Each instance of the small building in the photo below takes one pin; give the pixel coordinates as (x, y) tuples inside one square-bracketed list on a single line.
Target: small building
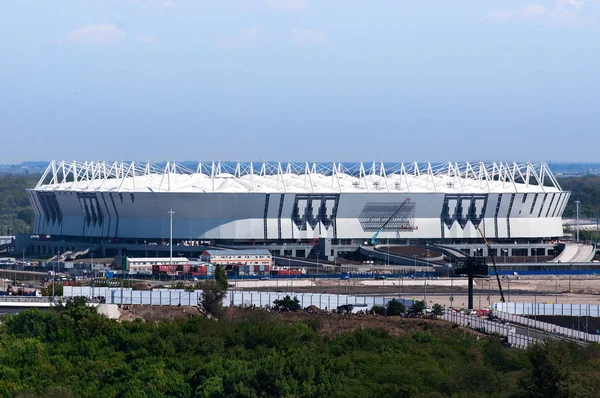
[(256, 258), (143, 265)]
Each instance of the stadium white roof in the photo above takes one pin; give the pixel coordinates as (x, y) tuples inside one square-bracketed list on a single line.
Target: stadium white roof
[(269, 177)]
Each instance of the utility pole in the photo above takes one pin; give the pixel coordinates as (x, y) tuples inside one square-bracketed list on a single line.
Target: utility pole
[(171, 212), (577, 202)]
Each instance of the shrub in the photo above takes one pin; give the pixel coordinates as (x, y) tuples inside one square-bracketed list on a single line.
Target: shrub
[(395, 308)]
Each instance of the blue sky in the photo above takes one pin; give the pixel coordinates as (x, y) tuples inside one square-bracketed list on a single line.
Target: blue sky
[(300, 80)]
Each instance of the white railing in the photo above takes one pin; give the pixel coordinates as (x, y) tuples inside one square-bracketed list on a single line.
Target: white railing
[(520, 340), (490, 327), (548, 327), (475, 322)]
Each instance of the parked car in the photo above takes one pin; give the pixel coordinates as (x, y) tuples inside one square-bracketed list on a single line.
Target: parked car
[(380, 277)]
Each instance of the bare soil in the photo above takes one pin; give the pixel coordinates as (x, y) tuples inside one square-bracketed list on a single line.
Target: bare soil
[(158, 313)]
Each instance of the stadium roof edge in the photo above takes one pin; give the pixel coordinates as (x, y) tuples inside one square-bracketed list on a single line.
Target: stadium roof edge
[(294, 177)]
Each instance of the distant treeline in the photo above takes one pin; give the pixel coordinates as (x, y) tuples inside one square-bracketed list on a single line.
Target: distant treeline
[(585, 189), (74, 352), (16, 214)]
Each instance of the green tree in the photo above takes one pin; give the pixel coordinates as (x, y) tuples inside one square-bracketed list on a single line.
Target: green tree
[(378, 309), (437, 310), (551, 372), (418, 308), (221, 277), (212, 298), (26, 215), (287, 304), (395, 308)]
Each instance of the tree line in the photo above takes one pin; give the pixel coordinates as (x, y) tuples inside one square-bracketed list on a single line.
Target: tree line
[(74, 352)]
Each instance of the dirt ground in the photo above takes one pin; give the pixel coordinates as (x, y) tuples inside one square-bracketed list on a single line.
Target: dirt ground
[(157, 313), (326, 324), (334, 324)]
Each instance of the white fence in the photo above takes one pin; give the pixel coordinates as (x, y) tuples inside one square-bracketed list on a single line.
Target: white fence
[(548, 327), (520, 340), (174, 297), (548, 309), (475, 322), (491, 327)]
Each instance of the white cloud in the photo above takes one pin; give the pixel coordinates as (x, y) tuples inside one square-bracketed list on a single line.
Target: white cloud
[(100, 33), (245, 36), (288, 5), (309, 36)]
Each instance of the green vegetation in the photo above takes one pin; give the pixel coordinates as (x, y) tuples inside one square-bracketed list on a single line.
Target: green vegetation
[(74, 352), (587, 190), (395, 308), (437, 310), (16, 214), (287, 304), (418, 308), (378, 309)]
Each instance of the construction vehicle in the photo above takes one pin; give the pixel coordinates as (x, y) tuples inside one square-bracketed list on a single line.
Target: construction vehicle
[(491, 252), (373, 240)]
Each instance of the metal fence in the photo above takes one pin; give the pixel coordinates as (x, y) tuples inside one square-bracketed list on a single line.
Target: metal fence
[(475, 322), (548, 309), (174, 297), (548, 327), (490, 327), (520, 340)]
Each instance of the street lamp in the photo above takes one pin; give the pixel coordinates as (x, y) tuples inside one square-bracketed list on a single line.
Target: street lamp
[(171, 212), (577, 203), (415, 256)]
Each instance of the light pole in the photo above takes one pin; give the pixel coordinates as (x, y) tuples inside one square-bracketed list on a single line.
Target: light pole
[(577, 202), (425, 292), (292, 277), (415, 256), (171, 212)]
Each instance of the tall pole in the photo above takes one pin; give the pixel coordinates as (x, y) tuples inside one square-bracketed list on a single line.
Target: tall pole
[(577, 202), (425, 293), (415, 256), (171, 212)]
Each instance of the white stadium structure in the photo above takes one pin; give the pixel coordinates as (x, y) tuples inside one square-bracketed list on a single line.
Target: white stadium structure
[(293, 203)]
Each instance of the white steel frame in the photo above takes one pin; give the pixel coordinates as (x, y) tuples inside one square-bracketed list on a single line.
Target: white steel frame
[(382, 177)]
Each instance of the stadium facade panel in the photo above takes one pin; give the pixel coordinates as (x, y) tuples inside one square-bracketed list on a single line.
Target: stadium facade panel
[(299, 201)]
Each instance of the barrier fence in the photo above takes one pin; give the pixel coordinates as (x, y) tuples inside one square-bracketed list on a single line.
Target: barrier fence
[(475, 322), (174, 297), (548, 327), (490, 327), (520, 340), (548, 309)]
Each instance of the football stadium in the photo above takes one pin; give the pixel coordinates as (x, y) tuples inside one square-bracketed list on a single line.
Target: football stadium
[(289, 206)]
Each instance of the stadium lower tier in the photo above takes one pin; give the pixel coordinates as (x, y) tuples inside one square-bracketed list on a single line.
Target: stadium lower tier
[(278, 217)]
